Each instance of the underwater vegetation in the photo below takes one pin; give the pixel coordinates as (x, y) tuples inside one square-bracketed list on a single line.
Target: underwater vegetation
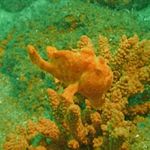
[(76, 123)]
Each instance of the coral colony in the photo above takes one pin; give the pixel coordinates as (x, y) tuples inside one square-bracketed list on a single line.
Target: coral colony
[(92, 112)]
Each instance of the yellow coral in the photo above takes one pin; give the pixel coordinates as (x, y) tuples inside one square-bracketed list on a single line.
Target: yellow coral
[(49, 129), (75, 123), (86, 127), (14, 142), (97, 142), (73, 144)]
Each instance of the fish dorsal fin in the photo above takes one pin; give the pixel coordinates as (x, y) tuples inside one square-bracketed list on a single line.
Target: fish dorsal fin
[(50, 50)]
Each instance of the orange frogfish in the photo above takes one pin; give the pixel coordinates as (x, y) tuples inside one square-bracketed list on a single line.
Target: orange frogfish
[(80, 70)]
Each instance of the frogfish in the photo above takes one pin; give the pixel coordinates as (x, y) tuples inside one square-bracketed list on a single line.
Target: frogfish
[(80, 70)]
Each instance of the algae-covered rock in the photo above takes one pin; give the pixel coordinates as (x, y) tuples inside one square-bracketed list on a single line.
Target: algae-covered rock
[(123, 4), (14, 5)]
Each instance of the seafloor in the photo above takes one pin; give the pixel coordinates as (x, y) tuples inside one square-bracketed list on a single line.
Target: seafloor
[(58, 23)]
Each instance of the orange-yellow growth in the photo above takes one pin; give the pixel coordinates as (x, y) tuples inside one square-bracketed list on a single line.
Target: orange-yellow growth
[(81, 71)]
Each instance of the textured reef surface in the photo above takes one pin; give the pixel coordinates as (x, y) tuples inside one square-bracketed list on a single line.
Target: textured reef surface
[(91, 91)]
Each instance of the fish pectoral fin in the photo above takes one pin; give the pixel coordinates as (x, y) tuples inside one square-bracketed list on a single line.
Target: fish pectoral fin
[(70, 91)]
